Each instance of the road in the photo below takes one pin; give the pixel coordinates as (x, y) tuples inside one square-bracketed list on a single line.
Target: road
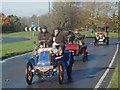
[(85, 75), (4, 40)]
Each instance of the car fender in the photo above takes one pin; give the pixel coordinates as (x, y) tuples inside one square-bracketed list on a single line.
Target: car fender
[(28, 59)]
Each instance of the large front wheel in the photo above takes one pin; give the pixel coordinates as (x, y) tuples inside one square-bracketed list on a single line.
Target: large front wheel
[(29, 73), (61, 73)]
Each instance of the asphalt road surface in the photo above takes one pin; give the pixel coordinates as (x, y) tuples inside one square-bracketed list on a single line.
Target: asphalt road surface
[(84, 75), (11, 39)]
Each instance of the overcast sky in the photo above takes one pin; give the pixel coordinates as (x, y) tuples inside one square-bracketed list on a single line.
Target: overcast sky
[(25, 8)]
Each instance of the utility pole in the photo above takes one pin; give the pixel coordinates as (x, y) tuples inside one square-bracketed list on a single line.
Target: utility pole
[(94, 9), (49, 8), (38, 21)]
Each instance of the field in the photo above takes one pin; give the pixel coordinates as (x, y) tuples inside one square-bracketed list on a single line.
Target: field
[(11, 49), (115, 81)]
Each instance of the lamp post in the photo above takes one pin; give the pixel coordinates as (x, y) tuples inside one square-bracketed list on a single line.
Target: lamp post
[(38, 21), (49, 8)]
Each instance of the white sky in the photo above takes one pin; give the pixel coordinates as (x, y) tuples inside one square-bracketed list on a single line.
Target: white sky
[(29, 7), (25, 8), (59, 0)]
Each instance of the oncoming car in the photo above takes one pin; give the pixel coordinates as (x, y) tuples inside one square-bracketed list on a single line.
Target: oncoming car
[(101, 36), (42, 64)]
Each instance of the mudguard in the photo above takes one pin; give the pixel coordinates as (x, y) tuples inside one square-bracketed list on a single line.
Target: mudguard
[(35, 59), (28, 59)]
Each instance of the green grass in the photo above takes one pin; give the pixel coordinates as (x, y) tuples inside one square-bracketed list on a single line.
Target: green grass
[(115, 83), (11, 49), (19, 34), (30, 34), (111, 34)]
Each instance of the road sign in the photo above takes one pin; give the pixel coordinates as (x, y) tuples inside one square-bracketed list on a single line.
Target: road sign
[(32, 29)]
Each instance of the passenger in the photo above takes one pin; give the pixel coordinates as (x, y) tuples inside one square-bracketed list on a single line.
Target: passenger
[(70, 36), (58, 40), (58, 37), (79, 38)]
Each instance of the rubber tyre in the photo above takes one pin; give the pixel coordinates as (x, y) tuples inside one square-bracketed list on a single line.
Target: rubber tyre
[(61, 73), (29, 73)]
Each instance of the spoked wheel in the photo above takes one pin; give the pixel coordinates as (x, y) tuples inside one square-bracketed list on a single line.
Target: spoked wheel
[(85, 55), (61, 73), (29, 73)]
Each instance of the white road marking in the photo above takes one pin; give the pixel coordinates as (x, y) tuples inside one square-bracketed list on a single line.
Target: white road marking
[(4, 60), (106, 72)]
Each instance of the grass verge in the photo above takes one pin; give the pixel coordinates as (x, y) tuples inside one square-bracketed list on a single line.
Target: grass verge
[(20, 34), (11, 49), (115, 80), (115, 83), (111, 34)]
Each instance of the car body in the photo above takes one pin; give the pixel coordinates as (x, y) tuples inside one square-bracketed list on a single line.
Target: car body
[(41, 66), (78, 47), (101, 36)]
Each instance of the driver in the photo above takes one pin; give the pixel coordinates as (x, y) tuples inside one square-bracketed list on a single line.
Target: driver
[(70, 36), (79, 38), (44, 35)]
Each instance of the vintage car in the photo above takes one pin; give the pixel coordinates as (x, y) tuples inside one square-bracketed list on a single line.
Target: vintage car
[(101, 36), (42, 64), (78, 47)]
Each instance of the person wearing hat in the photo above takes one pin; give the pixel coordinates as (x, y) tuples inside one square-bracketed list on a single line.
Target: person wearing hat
[(70, 36), (43, 40), (79, 38), (44, 35), (58, 36), (58, 44)]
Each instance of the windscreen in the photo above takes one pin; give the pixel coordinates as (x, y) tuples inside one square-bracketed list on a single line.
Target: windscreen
[(100, 29)]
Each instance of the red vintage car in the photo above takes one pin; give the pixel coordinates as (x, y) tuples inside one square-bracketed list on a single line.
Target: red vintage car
[(77, 50)]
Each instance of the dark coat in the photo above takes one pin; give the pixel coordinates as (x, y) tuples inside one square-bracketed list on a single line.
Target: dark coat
[(45, 36), (71, 36), (60, 38)]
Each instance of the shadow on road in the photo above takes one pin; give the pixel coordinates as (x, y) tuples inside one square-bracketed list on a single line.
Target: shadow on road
[(86, 73)]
